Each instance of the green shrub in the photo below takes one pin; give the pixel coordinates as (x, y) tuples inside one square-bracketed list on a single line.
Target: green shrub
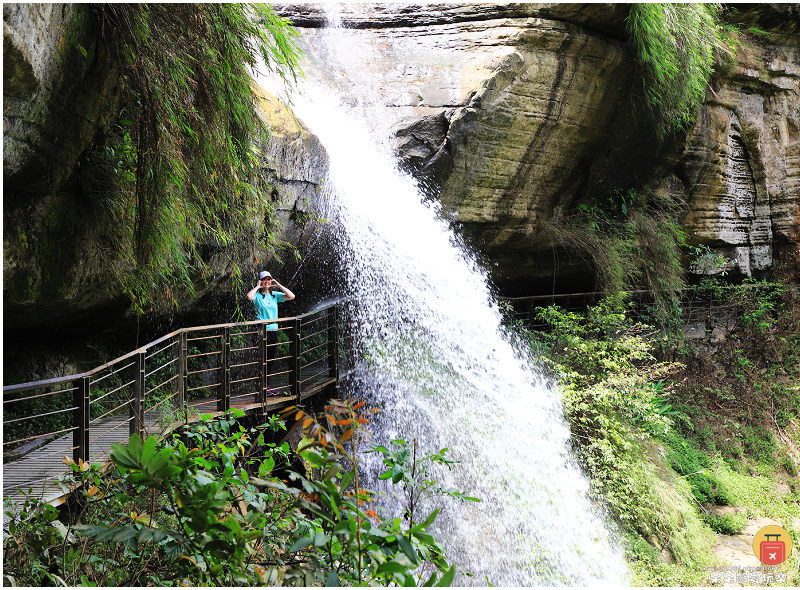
[(759, 444), (728, 524), (616, 400), (165, 514), (788, 465)]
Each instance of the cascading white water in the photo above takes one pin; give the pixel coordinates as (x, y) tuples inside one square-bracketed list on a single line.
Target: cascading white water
[(436, 361)]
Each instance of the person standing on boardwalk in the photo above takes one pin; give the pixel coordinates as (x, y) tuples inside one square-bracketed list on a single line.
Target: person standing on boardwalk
[(266, 303)]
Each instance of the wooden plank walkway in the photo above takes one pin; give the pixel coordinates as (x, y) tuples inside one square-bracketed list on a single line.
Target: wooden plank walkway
[(37, 470)]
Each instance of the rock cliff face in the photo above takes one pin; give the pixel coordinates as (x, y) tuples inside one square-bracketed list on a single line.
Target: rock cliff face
[(510, 113), (60, 92), (739, 169)]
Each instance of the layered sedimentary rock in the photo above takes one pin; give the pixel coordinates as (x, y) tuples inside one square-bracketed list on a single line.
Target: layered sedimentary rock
[(740, 165), (60, 93), (511, 113)]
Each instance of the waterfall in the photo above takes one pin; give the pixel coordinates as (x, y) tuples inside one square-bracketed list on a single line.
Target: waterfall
[(434, 358)]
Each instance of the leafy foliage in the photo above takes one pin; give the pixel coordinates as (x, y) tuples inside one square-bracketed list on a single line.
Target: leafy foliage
[(181, 160), (664, 445), (687, 460), (676, 48), (415, 474), (167, 514), (618, 403)]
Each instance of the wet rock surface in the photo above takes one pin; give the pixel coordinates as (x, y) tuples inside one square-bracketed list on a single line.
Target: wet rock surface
[(61, 96)]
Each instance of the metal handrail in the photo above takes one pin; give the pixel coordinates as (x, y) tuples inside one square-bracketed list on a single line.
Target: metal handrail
[(698, 301), (177, 380), (689, 289)]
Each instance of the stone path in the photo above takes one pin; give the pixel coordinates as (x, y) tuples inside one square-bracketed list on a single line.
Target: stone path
[(737, 550)]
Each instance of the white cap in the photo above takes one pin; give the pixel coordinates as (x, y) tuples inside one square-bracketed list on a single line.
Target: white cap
[(264, 274)]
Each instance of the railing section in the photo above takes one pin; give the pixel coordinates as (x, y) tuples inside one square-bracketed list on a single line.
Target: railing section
[(193, 370), (699, 305)]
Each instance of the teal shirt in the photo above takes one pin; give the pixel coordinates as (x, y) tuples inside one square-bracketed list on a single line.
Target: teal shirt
[(266, 305)]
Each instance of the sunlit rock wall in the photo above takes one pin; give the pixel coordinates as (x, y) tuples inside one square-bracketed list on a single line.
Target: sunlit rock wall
[(740, 167), (510, 113)]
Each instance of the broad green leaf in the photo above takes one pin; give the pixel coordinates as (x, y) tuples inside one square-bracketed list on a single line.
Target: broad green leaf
[(159, 535), (430, 581), (426, 538), (397, 473), (320, 540), (135, 448), (167, 472), (332, 579), (332, 471), (408, 549), (346, 526), (124, 533), (145, 535), (391, 567), (148, 450), (425, 523), (447, 578), (266, 467), (347, 479), (122, 457), (159, 460), (218, 547), (300, 544)]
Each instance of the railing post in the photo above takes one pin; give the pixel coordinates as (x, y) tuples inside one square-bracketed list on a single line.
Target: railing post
[(136, 407), (333, 343), (80, 437), (261, 398), (294, 360), (179, 354), (224, 396)]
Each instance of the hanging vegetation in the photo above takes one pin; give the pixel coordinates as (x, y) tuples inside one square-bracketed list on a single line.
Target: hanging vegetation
[(676, 48), (179, 169), (633, 241)]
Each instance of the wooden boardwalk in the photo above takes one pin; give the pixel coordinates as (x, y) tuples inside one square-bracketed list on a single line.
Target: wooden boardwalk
[(37, 470), (232, 361)]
